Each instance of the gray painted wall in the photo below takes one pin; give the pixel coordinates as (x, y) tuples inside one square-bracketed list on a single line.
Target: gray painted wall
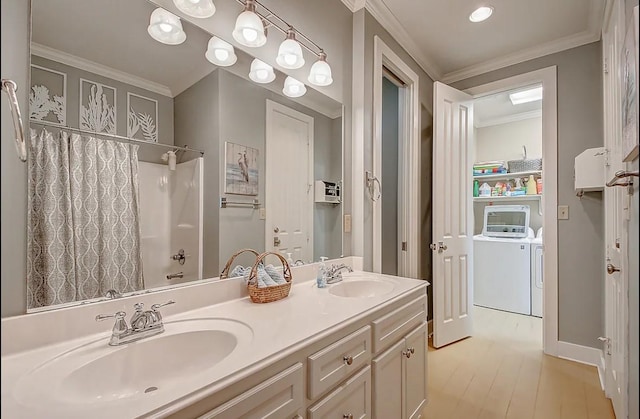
[(245, 101), (14, 65), (165, 103), (581, 238), (196, 125), (390, 127)]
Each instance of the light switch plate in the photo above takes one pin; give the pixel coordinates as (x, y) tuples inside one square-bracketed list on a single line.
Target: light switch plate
[(263, 213), (347, 223), (563, 212)]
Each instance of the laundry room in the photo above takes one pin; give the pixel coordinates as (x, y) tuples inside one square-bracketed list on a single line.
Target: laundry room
[(508, 186)]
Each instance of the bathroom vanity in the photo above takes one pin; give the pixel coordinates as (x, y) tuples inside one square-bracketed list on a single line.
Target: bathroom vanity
[(354, 349)]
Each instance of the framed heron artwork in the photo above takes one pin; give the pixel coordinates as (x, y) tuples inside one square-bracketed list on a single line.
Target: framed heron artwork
[(241, 169)]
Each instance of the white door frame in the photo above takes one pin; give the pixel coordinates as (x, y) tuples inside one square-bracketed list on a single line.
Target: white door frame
[(271, 159), (409, 161), (548, 77)]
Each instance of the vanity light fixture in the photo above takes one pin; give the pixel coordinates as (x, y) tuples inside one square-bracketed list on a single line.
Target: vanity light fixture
[(261, 72), (196, 8), (165, 27), (249, 30), (290, 52), (320, 74), (293, 87), (524, 96), (220, 52), (480, 14)]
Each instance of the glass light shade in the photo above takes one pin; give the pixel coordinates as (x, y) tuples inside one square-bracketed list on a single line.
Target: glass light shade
[(293, 87), (480, 14), (196, 8), (220, 53), (166, 27), (261, 72), (290, 54), (320, 74), (249, 30)]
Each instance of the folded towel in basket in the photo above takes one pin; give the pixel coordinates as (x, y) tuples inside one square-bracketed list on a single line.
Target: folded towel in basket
[(239, 270), (264, 280), (275, 274)]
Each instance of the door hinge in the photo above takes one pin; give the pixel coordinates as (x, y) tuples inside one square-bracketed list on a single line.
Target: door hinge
[(607, 344), (605, 67), (404, 246)]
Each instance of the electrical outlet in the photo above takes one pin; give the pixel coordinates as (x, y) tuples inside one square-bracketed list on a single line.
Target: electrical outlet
[(347, 223), (563, 212), (263, 213)]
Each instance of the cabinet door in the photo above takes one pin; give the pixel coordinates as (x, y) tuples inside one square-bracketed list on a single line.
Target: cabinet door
[(414, 370), (279, 397), (387, 383), (350, 400)]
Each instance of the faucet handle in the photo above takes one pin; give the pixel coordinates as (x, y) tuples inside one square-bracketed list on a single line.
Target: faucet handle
[(155, 307), (120, 315)]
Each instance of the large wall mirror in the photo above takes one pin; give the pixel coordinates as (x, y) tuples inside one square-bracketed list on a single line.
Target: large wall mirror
[(149, 166)]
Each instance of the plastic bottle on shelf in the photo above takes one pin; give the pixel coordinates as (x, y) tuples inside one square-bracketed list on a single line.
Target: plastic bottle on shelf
[(531, 186), (476, 188), (485, 190), (539, 186)]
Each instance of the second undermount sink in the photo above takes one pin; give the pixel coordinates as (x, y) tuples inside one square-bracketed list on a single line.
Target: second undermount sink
[(96, 372), (359, 287)]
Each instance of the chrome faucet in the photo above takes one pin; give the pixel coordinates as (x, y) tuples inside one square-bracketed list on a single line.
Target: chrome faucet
[(143, 323), (334, 274)]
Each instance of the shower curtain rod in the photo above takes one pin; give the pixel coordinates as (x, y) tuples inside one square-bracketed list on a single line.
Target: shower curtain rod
[(116, 137)]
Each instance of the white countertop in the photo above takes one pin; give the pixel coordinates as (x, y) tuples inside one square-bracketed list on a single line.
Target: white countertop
[(278, 329)]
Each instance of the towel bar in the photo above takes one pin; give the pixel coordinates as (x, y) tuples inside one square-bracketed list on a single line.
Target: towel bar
[(255, 204), (10, 87)]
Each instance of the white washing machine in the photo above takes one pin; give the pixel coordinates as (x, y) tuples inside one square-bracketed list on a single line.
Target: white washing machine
[(536, 275), (502, 260)]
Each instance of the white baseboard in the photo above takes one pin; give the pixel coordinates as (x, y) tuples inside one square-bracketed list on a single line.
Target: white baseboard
[(584, 355)]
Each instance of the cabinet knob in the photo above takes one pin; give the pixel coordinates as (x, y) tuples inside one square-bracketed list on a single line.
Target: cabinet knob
[(412, 350), (407, 353), (347, 416), (347, 360)]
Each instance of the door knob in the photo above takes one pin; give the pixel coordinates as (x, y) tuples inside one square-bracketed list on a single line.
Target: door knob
[(440, 247), (611, 269), (276, 229)]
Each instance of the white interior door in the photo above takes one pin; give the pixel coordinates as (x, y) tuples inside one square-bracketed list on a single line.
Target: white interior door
[(452, 215), (616, 200), (289, 182)]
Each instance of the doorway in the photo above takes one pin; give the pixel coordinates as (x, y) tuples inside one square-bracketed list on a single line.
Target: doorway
[(394, 183), (452, 177), (289, 153)]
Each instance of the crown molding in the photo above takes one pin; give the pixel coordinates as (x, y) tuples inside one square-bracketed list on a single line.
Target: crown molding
[(387, 19), (507, 119), (354, 5), (100, 69), (597, 16), (568, 42)]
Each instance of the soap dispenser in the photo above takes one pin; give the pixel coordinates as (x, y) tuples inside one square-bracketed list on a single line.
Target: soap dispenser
[(321, 279), (289, 259)]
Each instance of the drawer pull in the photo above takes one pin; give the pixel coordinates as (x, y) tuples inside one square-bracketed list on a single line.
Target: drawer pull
[(347, 416), (407, 353), (347, 360)]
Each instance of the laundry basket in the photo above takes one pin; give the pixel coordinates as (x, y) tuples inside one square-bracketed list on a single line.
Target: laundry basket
[(517, 166)]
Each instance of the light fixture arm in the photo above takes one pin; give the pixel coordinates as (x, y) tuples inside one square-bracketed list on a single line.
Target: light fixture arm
[(283, 26)]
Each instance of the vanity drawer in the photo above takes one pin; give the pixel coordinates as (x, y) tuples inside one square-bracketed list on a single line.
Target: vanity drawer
[(350, 400), (338, 361), (279, 397), (391, 327)]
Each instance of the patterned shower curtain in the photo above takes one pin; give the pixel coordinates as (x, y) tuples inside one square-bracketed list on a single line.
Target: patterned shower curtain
[(83, 219)]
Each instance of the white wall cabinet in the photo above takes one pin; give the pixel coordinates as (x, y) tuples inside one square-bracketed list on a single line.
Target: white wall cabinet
[(399, 377)]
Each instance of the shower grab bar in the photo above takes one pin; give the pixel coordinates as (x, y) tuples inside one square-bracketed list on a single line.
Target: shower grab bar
[(255, 204), (115, 137), (622, 174), (10, 87)]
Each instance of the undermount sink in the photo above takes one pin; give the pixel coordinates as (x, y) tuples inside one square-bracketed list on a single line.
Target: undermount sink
[(361, 288), (96, 372)]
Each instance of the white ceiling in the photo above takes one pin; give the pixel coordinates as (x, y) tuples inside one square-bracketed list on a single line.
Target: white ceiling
[(440, 37), (498, 109)]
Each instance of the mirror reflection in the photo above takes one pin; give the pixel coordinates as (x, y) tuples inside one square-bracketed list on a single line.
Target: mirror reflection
[(149, 166)]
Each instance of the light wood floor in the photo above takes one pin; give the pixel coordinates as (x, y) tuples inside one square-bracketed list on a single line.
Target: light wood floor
[(501, 372)]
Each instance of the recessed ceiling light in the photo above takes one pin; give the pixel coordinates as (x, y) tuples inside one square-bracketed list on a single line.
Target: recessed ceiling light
[(480, 14), (524, 96)]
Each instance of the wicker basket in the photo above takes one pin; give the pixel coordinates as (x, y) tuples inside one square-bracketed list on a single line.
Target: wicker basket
[(225, 272), (516, 166), (274, 292)]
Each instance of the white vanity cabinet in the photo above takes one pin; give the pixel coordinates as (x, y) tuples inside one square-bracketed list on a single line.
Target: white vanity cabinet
[(279, 397), (351, 400), (399, 376)]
